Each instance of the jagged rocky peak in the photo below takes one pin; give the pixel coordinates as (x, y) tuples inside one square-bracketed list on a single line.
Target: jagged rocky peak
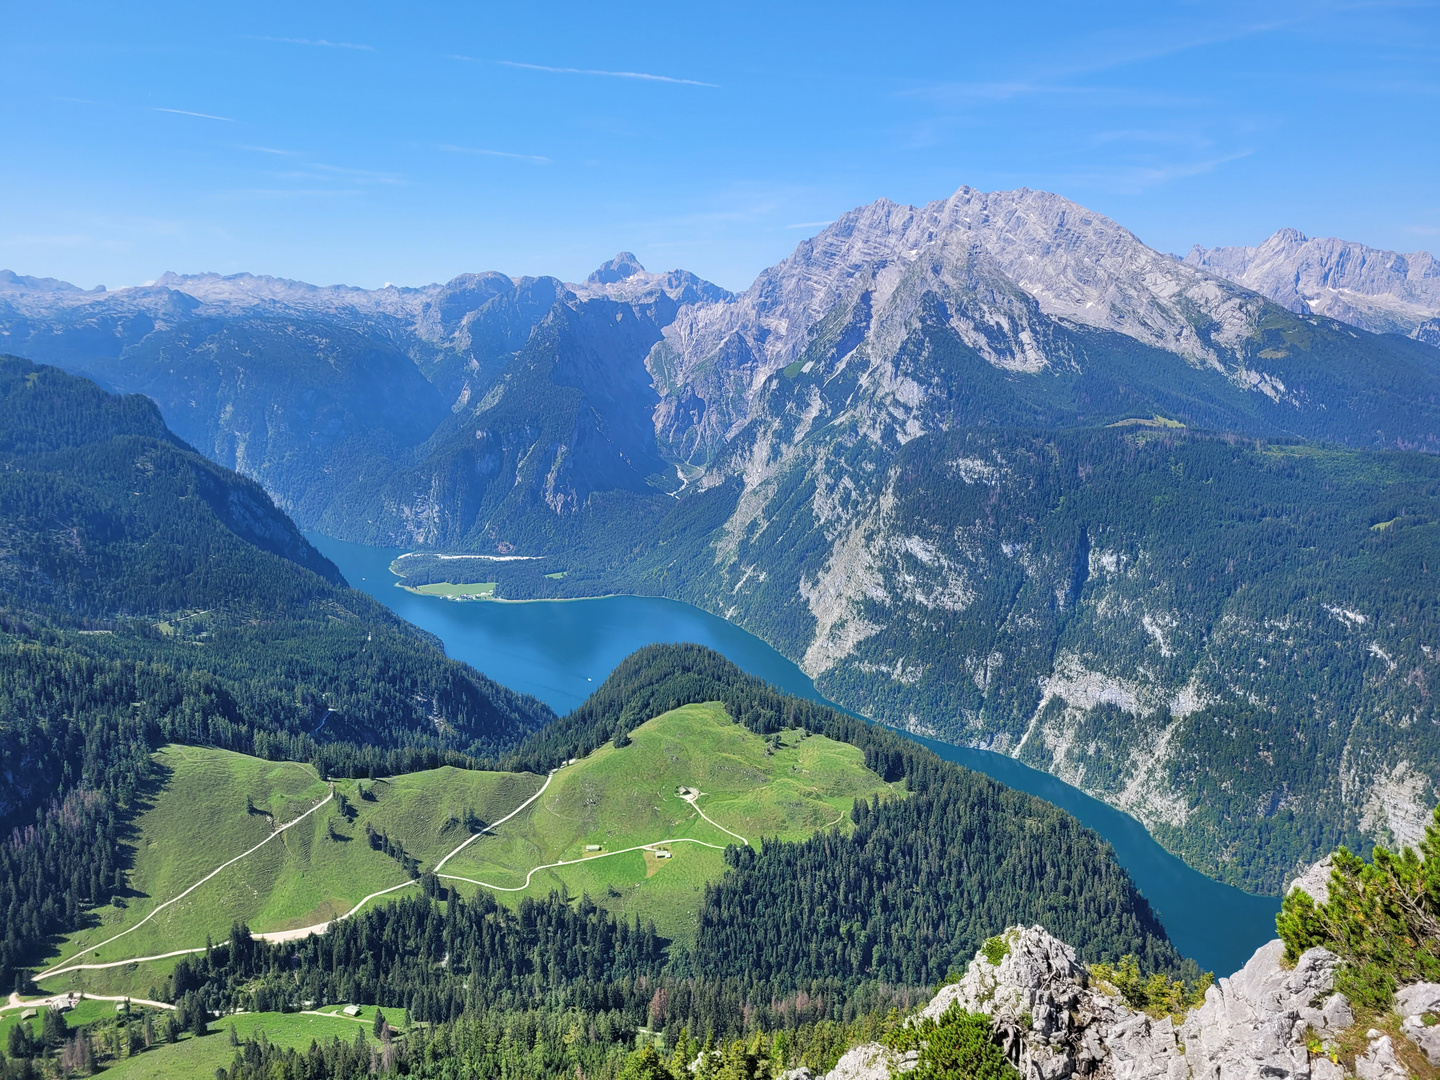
[(241, 293), (1376, 290), (41, 297), (1074, 263), (624, 278), (226, 295), (1013, 274), (622, 266), (1056, 1022), (516, 303)]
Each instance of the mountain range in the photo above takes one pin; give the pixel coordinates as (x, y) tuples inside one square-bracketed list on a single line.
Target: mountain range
[(990, 469), (1384, 292)]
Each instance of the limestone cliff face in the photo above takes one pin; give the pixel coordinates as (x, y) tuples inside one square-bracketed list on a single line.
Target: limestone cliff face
[(1012, 276), (927, 574), (1385, 292), (1096, 606), (1056, 1023)]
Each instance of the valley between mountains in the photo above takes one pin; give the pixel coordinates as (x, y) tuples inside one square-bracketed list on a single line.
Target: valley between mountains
[(990, 470)]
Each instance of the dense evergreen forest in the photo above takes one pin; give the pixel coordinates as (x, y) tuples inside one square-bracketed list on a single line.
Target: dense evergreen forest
[(1382, 918), (540, 1042)]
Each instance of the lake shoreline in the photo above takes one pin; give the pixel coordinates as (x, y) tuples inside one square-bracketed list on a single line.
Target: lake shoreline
[(561, 649)]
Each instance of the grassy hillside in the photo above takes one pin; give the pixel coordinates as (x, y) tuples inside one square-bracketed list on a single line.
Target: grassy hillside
[(215, 805), (851, 920), (192, 1057), (788, 785)]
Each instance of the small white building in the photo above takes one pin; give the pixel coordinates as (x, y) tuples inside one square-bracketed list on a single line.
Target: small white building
[(351, 1010)]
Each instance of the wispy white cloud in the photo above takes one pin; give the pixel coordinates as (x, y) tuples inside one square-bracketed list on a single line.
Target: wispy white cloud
[(269, 150), (201, 115), (289, 193), (481, 152), (607, 74), (642, 75), (810, 224), (1103, 53), (357, 175), (318, 42), (1130, 179)]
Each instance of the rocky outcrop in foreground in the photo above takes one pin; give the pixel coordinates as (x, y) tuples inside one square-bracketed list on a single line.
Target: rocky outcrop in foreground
[(1056, 1023)]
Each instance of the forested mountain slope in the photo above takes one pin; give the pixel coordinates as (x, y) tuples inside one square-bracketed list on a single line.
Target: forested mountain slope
[(1085, 599), (147, 595), (303, 407), (148, 613), (808, 937), (1230, 640), (318, 393), (564, 430)]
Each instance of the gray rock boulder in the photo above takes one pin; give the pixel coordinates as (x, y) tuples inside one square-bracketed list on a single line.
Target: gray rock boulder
[(1055, 1024), (871, 1061), (1314, 880), (1379, 1061), (1413, 1003), (1254, 1023)]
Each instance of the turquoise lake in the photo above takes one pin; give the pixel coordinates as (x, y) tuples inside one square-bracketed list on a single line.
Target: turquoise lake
[(561, 650)]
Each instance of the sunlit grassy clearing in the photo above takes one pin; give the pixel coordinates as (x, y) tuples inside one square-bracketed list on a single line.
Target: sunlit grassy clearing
[(314, 871), (475, 590), (788, 787)]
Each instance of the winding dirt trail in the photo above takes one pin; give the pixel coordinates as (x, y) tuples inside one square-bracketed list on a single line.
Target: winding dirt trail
[(69, 998), (471, 839), (59, 970), (582, 859), (65, 967), (689, 795)]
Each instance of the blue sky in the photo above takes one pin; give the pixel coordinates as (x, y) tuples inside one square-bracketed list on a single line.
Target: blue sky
[(366, 143)]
